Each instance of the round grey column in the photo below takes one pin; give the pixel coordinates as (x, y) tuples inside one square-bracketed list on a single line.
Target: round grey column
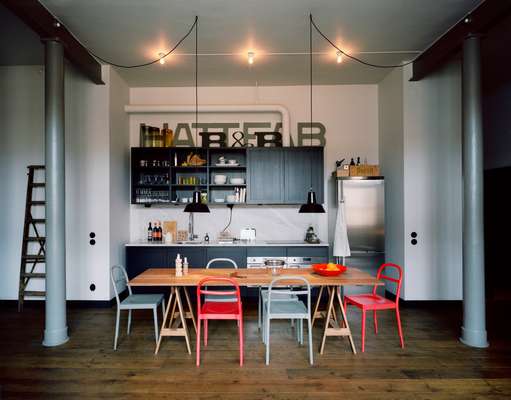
[(55, 332), (473, 331)]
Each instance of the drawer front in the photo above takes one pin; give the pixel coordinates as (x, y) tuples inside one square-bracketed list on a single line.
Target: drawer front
[(308, 252), (271, 251), (238, 255)]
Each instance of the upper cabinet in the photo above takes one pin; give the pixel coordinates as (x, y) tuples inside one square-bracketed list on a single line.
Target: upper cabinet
[(255, 175), (265, 175), (303, 169)]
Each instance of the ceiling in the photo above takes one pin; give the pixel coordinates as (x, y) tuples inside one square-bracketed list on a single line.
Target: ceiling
[(134, 31)]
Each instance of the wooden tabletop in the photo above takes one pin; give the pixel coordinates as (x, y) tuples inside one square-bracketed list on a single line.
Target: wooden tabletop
[(249, 277)]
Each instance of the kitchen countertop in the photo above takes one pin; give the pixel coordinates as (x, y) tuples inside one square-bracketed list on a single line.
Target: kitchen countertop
[(258, 243)]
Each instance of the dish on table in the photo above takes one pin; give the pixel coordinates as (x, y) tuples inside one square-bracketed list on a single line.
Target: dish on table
[(329, 269)]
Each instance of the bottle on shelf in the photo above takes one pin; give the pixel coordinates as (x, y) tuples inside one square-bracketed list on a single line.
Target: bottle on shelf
[(358, 160), (352, 162), (206, 238), (150, 233), (160, 233)]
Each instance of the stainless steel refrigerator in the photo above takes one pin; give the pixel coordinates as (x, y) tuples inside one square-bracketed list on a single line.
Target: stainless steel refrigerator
[(364, 201)]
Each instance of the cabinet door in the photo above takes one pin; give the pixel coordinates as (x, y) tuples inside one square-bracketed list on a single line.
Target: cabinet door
[(238, 255), (265, 176), (138, 259), (299, 164)]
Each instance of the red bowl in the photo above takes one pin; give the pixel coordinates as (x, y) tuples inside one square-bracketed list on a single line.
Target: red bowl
[(321, 270)]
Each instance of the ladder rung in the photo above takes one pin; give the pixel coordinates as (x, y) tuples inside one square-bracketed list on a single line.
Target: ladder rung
[(37, 202), (33, 257), (34, 274), (34, 293), (38, 220), (38, 184), (35, 167), (36, 239)]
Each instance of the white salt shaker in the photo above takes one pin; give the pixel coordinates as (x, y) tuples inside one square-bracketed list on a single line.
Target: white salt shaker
[(185, 266), (179, 266)]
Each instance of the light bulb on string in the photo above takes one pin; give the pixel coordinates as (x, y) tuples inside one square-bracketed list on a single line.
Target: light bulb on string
[(251, 56), (162, 58), (339, 57)]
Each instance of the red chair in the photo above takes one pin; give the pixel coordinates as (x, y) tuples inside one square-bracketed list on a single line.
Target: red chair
[(376, 302), (218, 310)]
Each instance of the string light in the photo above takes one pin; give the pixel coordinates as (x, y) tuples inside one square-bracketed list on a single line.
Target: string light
[(251, 56), (162, 58), (339, 57)]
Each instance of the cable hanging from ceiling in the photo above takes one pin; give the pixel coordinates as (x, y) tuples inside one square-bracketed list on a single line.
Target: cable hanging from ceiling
[(162, 55), (353, 57)]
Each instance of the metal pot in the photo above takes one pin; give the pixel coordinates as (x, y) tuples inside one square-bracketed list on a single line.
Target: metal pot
[(273, 262)]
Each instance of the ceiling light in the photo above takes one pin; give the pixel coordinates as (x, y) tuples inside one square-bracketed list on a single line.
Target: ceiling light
[(162, 58), (251, 56), (339, 56)]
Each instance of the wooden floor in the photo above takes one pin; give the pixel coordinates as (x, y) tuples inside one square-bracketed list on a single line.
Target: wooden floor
[(434, 364)]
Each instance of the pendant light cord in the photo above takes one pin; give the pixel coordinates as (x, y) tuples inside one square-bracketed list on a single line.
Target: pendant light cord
[(194, 25), (310, 76), (196, 80)]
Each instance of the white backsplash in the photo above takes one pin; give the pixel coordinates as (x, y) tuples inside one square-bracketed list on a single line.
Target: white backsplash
[(271, 223)]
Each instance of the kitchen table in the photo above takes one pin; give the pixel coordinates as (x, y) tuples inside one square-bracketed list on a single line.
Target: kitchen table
[(174, 322)]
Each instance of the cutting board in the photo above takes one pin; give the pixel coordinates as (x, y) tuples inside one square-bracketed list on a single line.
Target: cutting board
[(170, 226)]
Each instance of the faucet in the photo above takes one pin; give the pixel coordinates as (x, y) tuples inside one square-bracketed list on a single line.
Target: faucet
[(191, 235)]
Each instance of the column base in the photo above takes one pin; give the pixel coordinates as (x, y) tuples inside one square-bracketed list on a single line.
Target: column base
[(474, 338), (55, 337)]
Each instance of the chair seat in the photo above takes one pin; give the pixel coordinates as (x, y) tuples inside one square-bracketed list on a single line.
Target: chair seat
[(142, 301), (287, 309), (219, 310), (220, 299), (370, 301)]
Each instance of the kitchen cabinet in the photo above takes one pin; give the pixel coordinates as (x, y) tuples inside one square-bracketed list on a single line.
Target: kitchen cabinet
[(237, 254), (265, 175), (303, 169)]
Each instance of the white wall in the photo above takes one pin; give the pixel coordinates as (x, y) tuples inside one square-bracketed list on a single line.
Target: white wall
[(349, 113), (88, 174), (420, 148), (22, 119)]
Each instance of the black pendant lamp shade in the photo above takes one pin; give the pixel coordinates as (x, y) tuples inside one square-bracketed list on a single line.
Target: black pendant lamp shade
[(311, 206), (196, 205)]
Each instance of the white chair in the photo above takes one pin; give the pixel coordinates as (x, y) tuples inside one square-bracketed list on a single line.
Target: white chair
[(221, 298), (119, 279), (290, 309)]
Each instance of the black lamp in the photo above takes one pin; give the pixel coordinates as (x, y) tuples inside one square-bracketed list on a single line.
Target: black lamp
[(196, 206), (311, 206)]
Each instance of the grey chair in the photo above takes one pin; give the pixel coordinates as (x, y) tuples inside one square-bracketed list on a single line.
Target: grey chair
[(221, 298), (119, 279), (278, 295), (290, 309)]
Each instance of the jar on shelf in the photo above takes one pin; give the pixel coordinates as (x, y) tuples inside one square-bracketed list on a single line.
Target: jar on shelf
[(168, 135)]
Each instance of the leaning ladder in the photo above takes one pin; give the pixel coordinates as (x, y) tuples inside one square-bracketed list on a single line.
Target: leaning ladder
[(29, 262)]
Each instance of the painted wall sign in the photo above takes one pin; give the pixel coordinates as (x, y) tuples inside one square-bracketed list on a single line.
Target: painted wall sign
[(247, 134)]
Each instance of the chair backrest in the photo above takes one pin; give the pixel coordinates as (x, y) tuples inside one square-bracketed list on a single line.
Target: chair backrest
[(202, 290), (227, 260), (290, 291), (119, 278), (382, 274)]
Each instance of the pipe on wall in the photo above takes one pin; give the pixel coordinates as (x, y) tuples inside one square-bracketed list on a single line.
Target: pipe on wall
[(214, 108)]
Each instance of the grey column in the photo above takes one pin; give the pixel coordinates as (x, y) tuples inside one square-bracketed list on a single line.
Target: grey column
[(473, 331), (55, 332)]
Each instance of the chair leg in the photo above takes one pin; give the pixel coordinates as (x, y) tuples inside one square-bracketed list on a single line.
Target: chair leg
[(310, 341), (399, 329), (163, 309), (240, 328), (259, 310), (129, 321), (363, 329), (117, 318), (197, 342), (375, 322), (267, 336), (205, 333), (155, 317), (300, 328)]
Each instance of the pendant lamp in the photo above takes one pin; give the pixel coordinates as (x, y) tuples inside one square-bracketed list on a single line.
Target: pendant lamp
[(196, 206), (311, 206)]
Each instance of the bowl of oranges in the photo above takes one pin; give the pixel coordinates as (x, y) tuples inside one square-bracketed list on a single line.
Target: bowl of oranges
[(329, 269)]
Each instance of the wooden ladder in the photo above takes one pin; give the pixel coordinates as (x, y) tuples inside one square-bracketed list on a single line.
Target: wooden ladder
[(30, 261)]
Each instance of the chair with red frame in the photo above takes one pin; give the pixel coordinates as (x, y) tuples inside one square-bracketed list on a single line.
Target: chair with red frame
[(375, 302), (219, 310)]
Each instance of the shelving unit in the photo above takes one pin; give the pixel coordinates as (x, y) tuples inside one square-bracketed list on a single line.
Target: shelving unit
[(158, 176)]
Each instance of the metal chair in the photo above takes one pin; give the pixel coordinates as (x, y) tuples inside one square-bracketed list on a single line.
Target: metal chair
[(221, 298), (291, 309), (375, 302), (119, 279)]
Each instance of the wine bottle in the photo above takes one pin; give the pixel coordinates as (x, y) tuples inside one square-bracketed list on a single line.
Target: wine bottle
[(150, 233), (358, 160), (352, 162)]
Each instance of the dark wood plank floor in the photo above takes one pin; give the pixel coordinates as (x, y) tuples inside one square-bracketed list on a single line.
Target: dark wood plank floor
[(434, 364)]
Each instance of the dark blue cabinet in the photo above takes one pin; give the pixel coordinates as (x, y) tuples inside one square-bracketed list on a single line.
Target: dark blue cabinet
[(265, 175), (303, 169)]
